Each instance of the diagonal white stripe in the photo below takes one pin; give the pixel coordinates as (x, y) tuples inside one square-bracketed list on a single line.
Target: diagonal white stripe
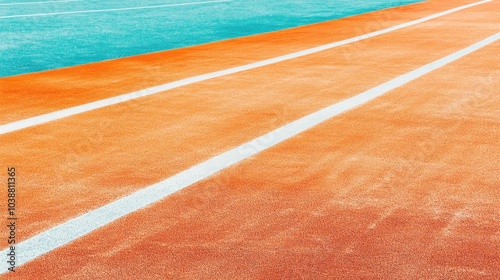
[(44, 2), (112, 10), (86, 223), (33, 121)]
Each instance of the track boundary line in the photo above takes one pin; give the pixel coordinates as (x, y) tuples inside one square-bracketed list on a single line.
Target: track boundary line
[(77, 227), (113, 10), (48, 117), (44, 2)]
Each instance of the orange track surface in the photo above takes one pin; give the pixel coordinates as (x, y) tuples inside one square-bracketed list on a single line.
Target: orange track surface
[(405, 187)]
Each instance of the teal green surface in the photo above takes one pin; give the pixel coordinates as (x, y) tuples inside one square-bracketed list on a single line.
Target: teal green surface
[(48, 41)]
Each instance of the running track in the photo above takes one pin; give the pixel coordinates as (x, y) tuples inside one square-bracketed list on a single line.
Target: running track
[(403, 187)]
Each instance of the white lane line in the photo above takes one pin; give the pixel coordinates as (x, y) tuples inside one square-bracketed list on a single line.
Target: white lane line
[(113, 10), (88, 222), (37, 120), (44, 2)]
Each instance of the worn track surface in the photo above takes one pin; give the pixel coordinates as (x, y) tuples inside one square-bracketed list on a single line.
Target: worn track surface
[(406, 186)]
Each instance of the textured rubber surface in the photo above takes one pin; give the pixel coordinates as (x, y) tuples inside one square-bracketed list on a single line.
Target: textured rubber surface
[(403, 187), (50, 35)]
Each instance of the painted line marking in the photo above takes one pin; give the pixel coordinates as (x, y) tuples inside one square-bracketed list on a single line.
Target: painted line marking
[(44, 2), (41, 119), (77, 227), (113, 10)]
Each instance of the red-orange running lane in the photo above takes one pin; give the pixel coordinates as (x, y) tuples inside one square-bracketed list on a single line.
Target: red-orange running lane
[(77, 164), (30, 95), (404, 188)]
